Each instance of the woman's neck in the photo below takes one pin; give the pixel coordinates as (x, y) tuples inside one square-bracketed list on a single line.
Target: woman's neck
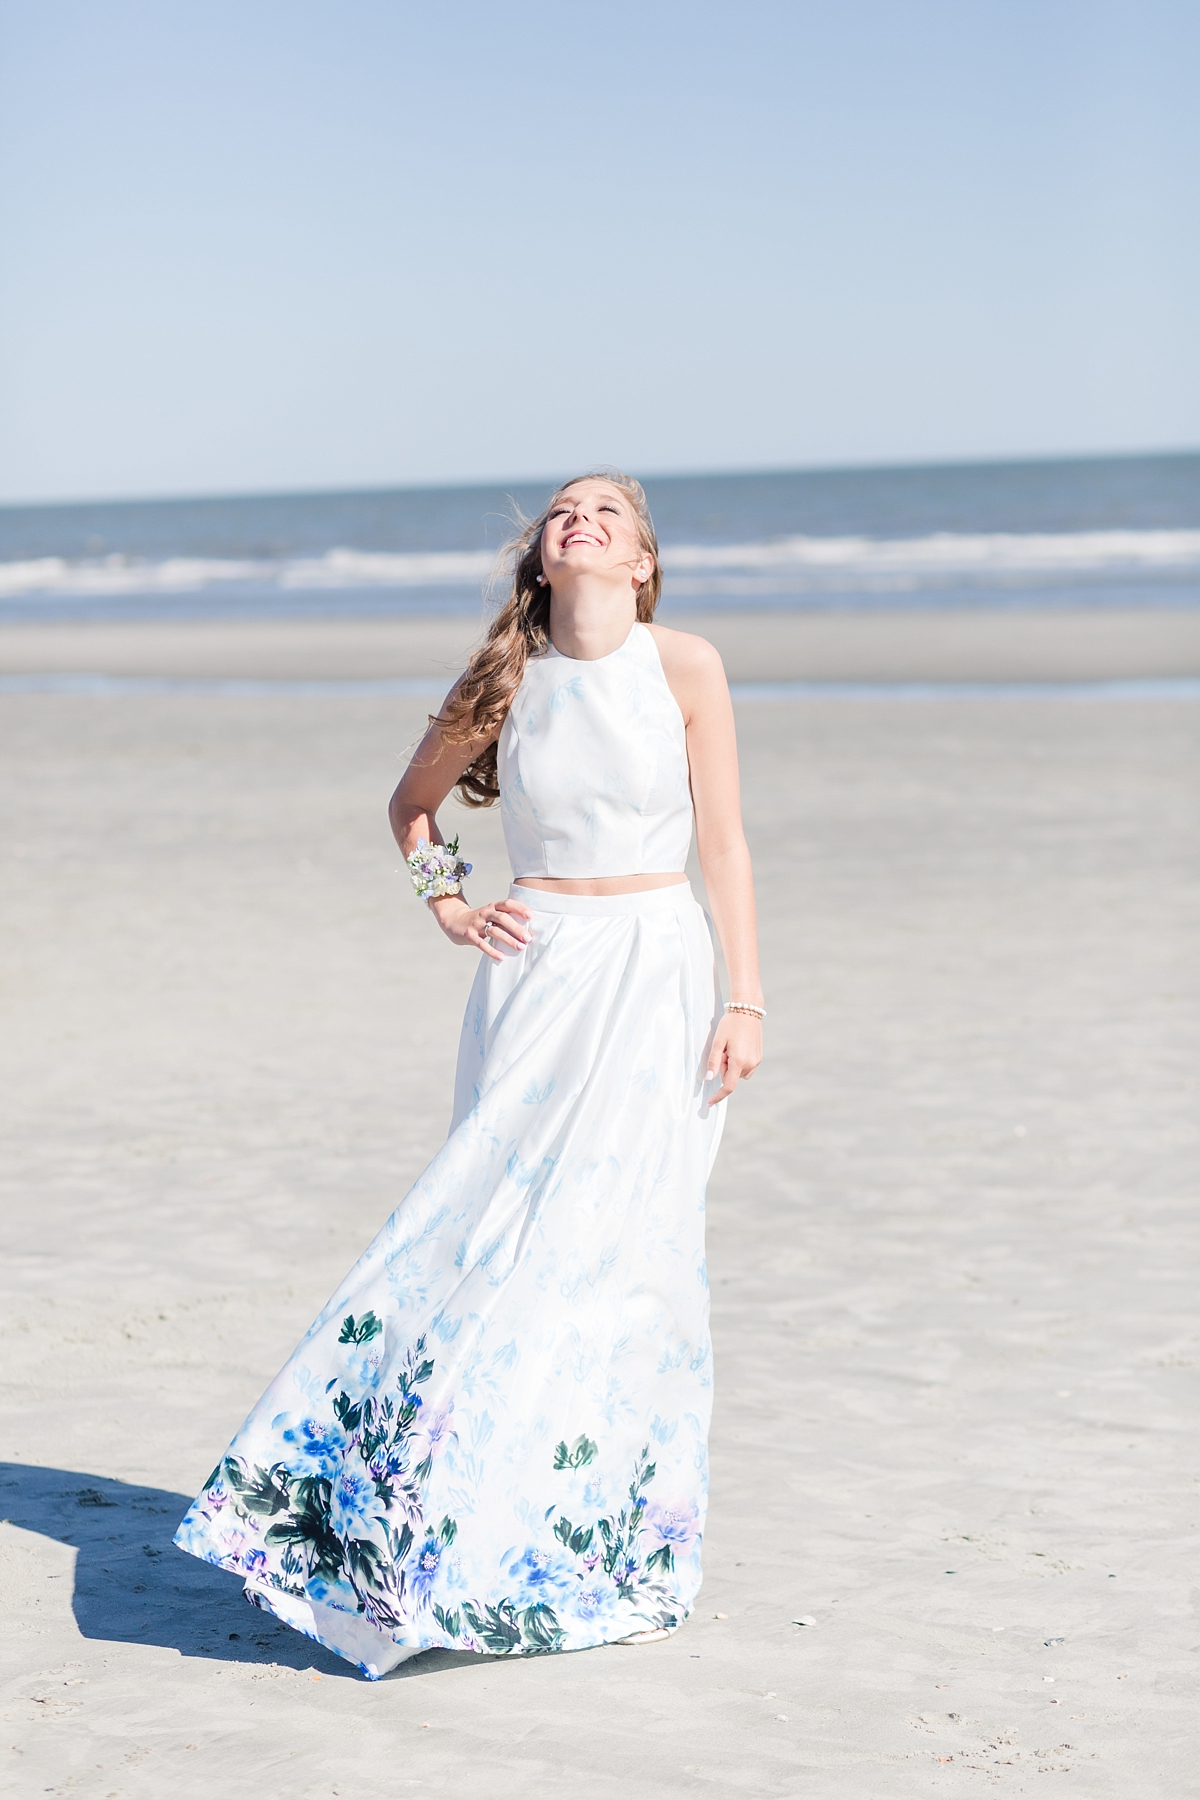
[(590, 620)]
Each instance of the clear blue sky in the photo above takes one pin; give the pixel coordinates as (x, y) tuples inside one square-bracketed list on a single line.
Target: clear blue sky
[(250, 244)]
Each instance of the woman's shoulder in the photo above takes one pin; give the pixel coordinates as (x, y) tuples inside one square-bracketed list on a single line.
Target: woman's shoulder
[(694, 673), (686, 655)]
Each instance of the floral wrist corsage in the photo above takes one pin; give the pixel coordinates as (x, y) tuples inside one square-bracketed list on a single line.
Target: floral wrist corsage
[(437, 869)]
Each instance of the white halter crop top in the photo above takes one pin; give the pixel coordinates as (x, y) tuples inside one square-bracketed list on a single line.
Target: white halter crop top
[(593, 767)]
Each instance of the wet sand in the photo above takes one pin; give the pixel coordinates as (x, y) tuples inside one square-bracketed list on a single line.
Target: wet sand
[(1017, 645), (953, 1246)]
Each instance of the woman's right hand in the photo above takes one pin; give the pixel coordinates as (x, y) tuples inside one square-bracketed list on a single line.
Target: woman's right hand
[(501, 925)]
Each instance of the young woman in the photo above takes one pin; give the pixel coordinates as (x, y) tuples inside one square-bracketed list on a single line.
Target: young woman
[(495, 1436)]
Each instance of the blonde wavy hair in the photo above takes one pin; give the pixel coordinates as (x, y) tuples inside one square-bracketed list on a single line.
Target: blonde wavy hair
[(478, 705)]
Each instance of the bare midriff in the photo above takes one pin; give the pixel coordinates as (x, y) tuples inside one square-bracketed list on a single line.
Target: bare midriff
[(601, 884)]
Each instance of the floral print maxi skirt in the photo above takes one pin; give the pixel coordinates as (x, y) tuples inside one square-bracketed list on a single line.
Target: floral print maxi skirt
[(495, 1436)]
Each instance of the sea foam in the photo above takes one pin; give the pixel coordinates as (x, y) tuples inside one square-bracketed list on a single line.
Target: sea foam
[(790, 564)]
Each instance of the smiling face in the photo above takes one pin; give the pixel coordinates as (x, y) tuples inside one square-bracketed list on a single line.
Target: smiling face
[(592, 529)]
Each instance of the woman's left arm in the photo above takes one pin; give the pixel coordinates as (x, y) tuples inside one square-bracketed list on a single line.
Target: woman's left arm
[(696, 677)]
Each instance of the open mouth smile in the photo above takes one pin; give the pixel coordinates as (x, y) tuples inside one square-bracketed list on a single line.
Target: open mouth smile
[(581, 537)]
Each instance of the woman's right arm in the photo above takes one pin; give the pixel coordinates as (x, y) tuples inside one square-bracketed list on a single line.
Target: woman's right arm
[(425, 784)]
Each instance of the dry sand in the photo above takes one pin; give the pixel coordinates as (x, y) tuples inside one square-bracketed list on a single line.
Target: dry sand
[(1019, 645), (952, 1246)]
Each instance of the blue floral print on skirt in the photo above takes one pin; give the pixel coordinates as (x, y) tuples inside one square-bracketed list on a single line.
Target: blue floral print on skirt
[(495, 1436)]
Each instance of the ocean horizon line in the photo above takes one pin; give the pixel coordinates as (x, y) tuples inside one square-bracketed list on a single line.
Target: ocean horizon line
[(801, 537), (490, 484)]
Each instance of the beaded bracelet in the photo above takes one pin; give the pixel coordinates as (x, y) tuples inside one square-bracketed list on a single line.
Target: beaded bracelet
[(744, 1006), (437, 869)]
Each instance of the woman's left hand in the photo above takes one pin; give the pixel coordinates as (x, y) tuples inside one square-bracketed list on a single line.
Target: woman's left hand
[(736, 1052)]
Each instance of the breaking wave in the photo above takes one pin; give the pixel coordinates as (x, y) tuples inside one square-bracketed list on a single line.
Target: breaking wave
[(785, 565)]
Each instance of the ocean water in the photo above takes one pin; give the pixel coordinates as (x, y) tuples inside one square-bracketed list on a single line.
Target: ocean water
[(1103, 531)]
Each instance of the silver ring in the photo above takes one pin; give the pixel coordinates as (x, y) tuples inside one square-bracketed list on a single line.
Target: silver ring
[(486, 933)]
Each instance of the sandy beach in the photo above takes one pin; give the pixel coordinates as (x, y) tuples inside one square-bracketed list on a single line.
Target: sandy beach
[(953, 1244), (1021, 645)]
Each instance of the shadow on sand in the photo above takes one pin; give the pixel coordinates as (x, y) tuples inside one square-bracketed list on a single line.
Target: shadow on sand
[(132, 1586)]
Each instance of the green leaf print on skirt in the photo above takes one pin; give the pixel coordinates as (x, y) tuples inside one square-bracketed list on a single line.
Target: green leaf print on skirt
[(494, 1436), (357, 1537)]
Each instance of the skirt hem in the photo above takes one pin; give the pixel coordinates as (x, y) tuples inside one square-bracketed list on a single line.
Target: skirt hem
[(307, 1616)]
